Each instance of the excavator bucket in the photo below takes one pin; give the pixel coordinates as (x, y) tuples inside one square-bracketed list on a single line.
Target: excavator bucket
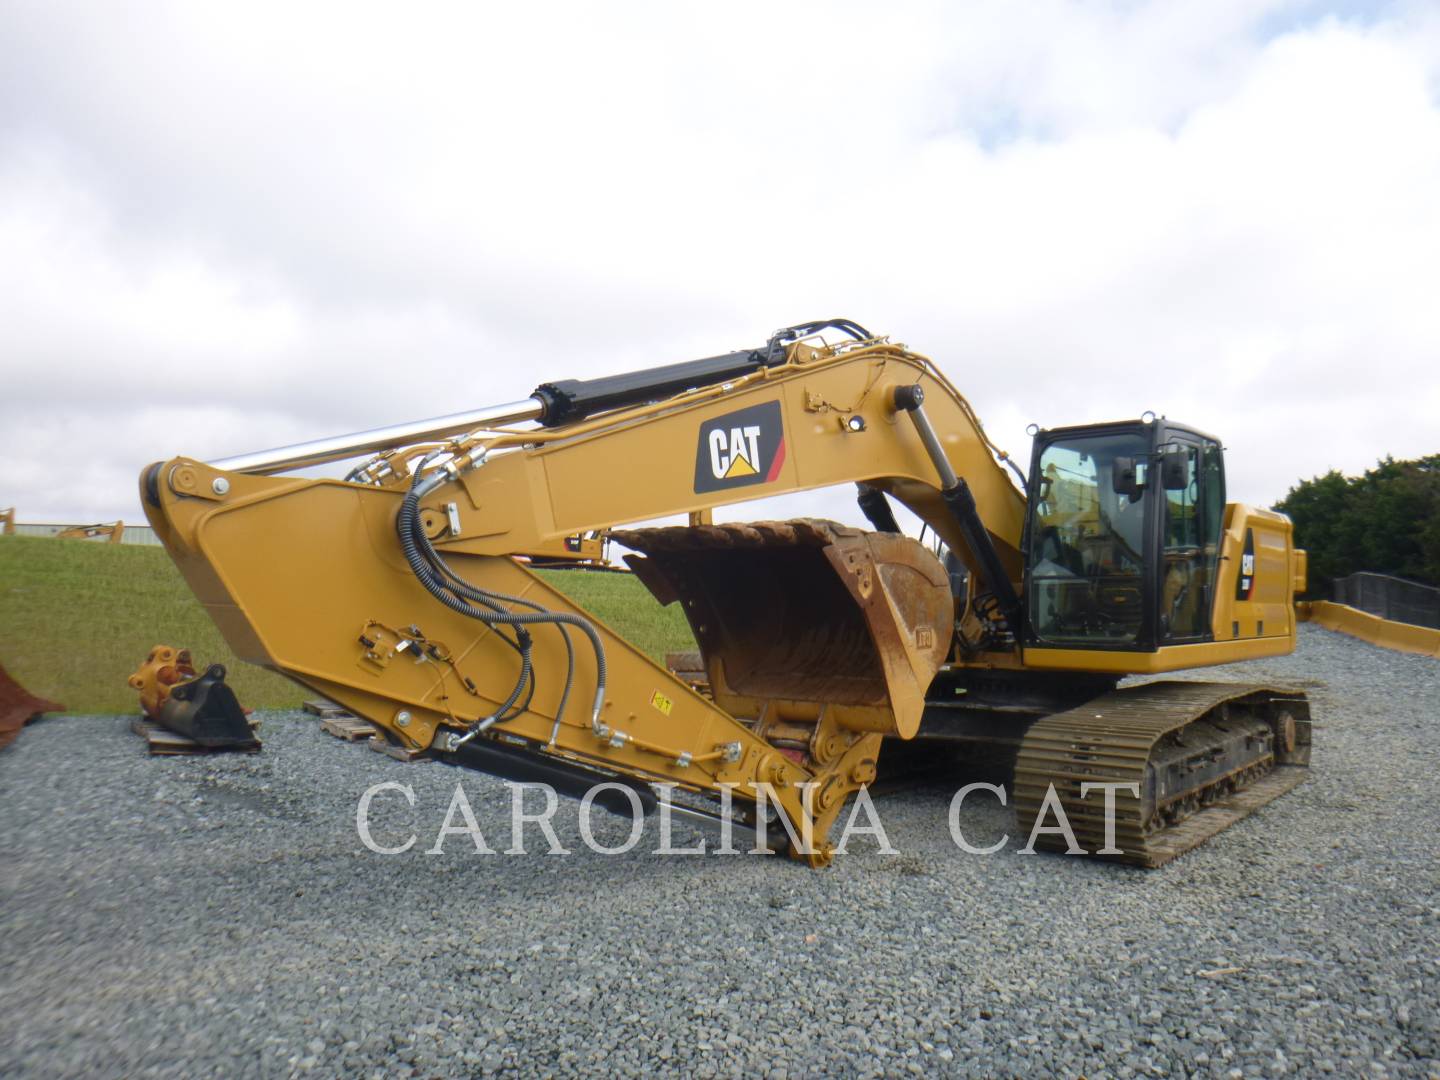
[(200, 707), (18, 707), (207, 711), (806, 611)]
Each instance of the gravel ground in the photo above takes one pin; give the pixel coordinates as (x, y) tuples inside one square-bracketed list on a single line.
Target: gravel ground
[(220, 916)]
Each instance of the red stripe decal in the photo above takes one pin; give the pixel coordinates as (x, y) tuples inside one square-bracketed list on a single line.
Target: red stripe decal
[(777, 462)]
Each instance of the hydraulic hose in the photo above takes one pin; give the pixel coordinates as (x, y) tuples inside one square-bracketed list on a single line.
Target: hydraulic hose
[(408, 523), (432, 571), (492, 601)]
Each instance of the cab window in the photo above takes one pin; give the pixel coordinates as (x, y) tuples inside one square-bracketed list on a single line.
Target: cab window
[(1087, 540)]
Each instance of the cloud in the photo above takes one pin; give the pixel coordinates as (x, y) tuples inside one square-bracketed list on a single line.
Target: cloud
[(223, 232)]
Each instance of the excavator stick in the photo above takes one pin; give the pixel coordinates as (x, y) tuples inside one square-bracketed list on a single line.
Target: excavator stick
[(806, 611)]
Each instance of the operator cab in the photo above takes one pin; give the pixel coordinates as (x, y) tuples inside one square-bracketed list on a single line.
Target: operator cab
[(1122, 536)]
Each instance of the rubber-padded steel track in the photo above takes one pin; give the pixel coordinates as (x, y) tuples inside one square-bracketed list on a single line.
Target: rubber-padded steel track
[(1252, 747)]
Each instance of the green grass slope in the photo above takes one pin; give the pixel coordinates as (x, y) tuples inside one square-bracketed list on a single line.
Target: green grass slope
[(77, 618)]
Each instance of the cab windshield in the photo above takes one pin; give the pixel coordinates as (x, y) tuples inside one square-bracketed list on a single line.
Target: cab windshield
[(1086, 559)]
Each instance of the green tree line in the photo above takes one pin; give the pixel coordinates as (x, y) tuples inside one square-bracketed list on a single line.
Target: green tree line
[(1387, 521)]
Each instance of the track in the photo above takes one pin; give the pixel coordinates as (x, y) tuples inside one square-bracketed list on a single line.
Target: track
[(1200, 756)]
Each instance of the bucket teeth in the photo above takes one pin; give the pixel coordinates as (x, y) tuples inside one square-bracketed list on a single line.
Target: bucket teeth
[(805, 611), (802, 532)]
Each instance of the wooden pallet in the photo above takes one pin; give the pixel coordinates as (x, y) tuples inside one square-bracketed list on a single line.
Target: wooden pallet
[(347, 727), (162, 742), (324, 709), (381, 745), (343, 725)]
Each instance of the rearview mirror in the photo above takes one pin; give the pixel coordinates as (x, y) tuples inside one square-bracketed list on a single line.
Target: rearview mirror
[(1175, 469), (1123, 479)]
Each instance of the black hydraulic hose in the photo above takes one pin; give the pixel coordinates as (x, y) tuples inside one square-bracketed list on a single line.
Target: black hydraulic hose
[(846, 326), (775, 347), (436, 587), (408, 527), (492, 600)]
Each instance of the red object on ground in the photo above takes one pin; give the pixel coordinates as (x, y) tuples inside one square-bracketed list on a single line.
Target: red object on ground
[(18, 707)]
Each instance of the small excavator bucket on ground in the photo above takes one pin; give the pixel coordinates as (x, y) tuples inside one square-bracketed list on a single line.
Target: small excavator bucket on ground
[(805, 611), (200, 707), (18, 707)]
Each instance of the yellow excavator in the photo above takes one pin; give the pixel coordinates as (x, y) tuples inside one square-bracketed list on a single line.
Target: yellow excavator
[(112, 533), (395, 592)]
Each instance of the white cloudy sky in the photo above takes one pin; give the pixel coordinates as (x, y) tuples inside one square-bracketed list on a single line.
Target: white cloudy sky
[(223, 229)]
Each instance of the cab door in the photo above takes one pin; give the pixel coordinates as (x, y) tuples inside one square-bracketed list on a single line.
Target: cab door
[(1193, 488)]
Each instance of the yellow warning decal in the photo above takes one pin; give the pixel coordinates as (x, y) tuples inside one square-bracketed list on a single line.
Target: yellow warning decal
[(661, 702)]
